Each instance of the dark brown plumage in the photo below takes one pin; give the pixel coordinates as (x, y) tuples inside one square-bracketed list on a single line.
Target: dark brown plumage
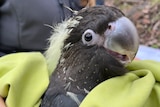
[(85, 60)]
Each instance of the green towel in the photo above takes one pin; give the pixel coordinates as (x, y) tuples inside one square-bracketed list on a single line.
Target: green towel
[(24, 78), (139, 88)]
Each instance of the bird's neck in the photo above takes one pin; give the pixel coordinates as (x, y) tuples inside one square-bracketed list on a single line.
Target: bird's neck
[(80, 70)]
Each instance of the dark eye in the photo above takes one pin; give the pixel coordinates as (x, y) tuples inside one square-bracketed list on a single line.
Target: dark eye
[(88, 37)]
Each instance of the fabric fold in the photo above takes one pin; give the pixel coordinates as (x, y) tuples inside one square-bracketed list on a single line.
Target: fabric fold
[(23, 79), (138, 88)]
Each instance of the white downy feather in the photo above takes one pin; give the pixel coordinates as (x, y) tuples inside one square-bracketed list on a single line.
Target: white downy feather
[(56, 42)]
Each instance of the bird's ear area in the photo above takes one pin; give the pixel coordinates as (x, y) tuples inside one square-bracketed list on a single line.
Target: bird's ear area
[(74, 36)]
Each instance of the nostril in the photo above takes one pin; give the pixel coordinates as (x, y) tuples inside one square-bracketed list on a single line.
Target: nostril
[(109, 27)]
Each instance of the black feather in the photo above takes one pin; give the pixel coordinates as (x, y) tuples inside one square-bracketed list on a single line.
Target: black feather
[(95, 18)]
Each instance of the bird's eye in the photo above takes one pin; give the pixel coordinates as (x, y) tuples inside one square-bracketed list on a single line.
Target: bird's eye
[(89, 37)]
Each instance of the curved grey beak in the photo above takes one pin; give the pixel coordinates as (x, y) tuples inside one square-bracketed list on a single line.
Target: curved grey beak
[(123, 38)]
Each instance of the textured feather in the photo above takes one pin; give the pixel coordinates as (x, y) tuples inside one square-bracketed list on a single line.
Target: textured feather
[(56, 41)]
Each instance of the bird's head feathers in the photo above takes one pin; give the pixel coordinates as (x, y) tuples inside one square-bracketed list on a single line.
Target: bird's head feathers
[(107, 27), (102, 27)]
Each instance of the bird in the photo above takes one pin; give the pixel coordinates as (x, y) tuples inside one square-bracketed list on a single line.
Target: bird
[(96, 44)]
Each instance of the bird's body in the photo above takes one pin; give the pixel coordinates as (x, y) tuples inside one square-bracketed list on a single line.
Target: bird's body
[(86, 58)]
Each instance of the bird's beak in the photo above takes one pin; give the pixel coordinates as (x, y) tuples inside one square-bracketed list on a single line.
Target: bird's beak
[(122, 38), (130, 56)]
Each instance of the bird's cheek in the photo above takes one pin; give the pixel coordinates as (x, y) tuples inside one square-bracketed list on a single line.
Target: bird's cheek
[(100, 41), (107, 43), (108, 34)]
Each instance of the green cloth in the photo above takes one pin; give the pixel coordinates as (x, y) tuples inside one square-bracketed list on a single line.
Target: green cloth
[(139, 88), (24, 78)]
